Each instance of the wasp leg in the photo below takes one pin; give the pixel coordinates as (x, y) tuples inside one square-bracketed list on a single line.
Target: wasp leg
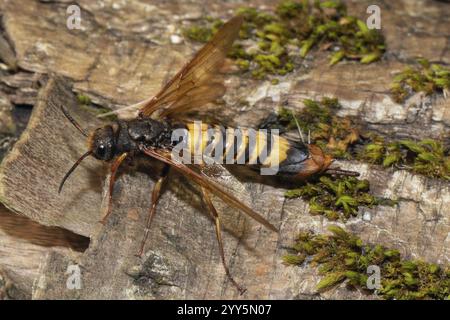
[(114, 167), (156, 193), (212, 210)]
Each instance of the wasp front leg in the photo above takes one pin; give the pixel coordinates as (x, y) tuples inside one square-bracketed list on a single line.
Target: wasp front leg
[(156, 193), (112, 179)]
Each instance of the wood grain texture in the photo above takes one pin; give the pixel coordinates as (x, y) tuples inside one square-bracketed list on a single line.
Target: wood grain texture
[(123, 56), (24, 246), (33, 163)]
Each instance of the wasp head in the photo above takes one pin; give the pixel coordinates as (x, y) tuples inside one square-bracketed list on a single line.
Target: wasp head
[(102, 143)]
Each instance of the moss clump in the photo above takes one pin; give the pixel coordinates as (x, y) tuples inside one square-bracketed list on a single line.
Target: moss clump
[(349, 37), (427, 157), (341, 138), (271, 43), (266, 44), (198, 33), (344, 257), (203, 32), (335, 135), (83, 99), (337, 198), (425, 77)]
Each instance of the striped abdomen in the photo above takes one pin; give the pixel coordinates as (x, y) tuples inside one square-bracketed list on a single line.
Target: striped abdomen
[(264, 148), (236, 146)]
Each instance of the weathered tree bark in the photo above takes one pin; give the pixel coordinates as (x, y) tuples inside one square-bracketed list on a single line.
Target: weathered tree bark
[(24, 245), (123, 56)]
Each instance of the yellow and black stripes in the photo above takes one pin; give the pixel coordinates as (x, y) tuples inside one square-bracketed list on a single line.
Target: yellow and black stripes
[(237, 146), (263, 148)]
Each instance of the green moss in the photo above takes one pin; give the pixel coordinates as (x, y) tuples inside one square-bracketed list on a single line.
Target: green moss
[(203, 32), (243, 64), (196, 33), (294, 259), (342, 138), (290, 9), (336, 57), (292, 31), (336, 198), (342, 256), (335, 135), (424, 77), (427, 157), (275, 81), (349, 35), (83, 99)]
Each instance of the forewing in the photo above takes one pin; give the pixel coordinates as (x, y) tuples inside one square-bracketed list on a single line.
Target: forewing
[(205, 182)]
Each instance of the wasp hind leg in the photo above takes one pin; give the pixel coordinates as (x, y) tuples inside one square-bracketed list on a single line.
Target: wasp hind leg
[(156, 193), (213, 212)]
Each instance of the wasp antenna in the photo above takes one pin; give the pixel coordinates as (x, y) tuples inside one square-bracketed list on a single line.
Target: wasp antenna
[(298, 127), (76, 164), (73, 121), (343, 172)]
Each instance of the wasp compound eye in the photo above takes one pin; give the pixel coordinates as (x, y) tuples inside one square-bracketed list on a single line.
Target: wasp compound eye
[(101, 151), (103, 143)]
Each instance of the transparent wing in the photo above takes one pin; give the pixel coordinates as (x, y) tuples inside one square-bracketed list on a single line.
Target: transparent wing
[(198, 83), (207, 183)]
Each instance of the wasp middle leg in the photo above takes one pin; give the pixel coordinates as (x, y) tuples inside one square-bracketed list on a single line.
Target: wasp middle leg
[(156, 193), (214, 214)]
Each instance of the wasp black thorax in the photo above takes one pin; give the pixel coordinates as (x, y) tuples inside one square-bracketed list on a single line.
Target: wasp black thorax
[(127, 136)]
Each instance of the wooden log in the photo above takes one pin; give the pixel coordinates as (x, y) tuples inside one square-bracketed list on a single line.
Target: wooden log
[(30, 164), (24, 246), (113, 61)]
